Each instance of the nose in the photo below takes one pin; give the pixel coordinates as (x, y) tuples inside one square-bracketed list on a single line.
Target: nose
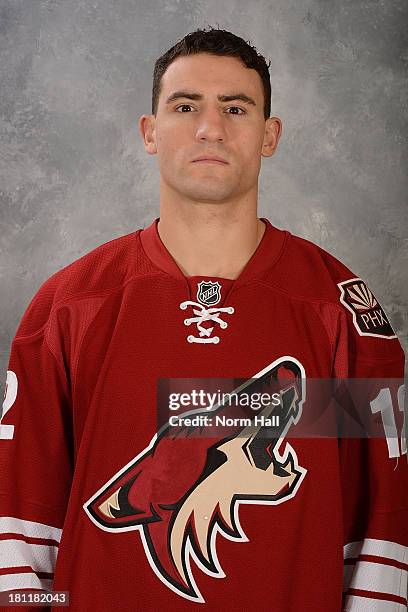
[(211, 125)]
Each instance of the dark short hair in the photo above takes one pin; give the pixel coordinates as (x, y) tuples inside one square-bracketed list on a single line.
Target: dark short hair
[(217, 42)]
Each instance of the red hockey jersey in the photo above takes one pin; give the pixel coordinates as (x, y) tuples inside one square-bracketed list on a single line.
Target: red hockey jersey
[(97, 501)]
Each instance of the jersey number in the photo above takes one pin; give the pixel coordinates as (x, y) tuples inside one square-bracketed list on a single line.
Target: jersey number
[(7, 431), (383, 404)]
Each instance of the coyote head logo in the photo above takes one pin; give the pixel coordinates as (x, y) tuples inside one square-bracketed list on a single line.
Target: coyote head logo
[(183, 489)]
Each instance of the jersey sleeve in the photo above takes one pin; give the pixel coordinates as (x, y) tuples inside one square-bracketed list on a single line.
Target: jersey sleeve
[(374, 469), (36, 462)]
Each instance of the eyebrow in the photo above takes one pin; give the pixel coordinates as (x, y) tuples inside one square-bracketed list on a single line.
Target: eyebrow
[(222, 98)]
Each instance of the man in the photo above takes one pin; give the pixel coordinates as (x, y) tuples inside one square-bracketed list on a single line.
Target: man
[(95, 498)]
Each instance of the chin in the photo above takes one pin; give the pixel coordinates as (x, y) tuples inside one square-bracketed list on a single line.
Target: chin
[(207, 193)]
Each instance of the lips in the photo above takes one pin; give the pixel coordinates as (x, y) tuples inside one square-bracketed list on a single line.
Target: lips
[(211, 160)]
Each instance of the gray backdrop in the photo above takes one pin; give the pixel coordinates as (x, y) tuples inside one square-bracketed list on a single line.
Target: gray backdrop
[(75, 76)]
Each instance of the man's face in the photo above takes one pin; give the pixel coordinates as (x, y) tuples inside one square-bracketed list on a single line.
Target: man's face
[(197, 123)]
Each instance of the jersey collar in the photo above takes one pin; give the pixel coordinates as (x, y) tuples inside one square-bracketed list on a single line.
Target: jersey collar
[(266, 255)]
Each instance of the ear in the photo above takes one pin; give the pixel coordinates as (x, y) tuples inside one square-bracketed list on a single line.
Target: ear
[(147, 128), (272, 134)]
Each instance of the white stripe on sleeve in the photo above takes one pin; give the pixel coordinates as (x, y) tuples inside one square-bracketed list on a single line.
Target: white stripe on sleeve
[(366, 604), (378, 548), (376, 576), (15, 553), (9, 582), (9, 524)]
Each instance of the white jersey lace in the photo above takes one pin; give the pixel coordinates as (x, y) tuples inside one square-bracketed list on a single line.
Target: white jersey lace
[(203, 314)]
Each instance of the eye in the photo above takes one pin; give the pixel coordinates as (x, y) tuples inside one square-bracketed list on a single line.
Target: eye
[(183, 106), (237, 108)]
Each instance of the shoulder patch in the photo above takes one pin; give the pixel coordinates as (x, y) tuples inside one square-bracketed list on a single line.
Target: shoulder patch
[(368, 316)]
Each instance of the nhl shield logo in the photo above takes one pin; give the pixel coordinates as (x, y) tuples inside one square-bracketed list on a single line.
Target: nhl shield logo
[(209, 293), (368, 316)]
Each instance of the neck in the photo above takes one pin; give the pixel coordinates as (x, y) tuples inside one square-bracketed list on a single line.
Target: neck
[(210, 239)]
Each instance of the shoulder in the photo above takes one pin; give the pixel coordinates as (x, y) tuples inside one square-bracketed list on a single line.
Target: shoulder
[(319, 275), (342, 298), (99, 272), (308, 271)]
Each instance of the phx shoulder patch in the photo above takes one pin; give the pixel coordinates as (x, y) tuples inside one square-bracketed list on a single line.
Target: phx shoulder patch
[(368, 316)]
